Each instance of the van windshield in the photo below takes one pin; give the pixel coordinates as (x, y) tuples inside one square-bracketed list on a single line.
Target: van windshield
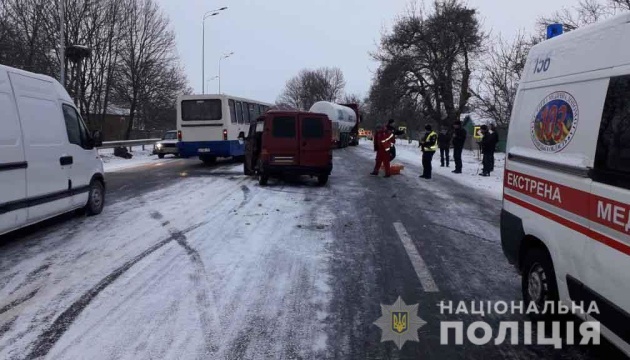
[(200, 110)]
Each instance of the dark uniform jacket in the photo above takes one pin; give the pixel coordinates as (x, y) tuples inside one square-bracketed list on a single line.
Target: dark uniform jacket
[(459, 138), (444, 140)]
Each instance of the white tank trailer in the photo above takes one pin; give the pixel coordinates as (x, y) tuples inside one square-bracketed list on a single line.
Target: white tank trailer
[(343, 120)]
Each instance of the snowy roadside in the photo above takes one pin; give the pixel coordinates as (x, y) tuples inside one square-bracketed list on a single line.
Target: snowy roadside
[(140, 157), (492, 185)]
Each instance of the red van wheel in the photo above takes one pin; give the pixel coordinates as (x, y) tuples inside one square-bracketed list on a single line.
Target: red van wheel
[(322, 180), (263, 179)]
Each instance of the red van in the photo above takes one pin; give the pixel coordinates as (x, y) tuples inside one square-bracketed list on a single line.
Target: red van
[(289, 142)]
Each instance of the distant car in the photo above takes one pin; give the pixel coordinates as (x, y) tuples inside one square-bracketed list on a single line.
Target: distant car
[(168, 145)]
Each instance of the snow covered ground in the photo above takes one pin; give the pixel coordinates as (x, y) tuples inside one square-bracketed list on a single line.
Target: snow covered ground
[(492, 185), (199, 269), (140, 157)]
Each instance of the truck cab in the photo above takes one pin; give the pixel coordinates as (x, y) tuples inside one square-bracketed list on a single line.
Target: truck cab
[(289, 142)]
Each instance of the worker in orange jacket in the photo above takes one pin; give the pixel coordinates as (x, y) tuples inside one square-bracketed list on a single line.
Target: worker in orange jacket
[(382, 143)]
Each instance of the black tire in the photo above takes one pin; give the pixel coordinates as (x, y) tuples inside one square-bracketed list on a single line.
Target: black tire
[(161, 156), (322, 180), (96, 198), (263, 179), (209, 160), (539, 281), (240, 158)]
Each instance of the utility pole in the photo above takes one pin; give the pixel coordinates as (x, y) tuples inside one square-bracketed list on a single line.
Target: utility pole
[(225, 56), (203, 45)]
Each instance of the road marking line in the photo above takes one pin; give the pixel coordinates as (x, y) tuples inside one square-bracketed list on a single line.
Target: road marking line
[(416, 260)]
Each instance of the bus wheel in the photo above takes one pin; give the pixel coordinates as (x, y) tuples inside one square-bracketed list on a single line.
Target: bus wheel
[(263, 179), (209, 160), (539, 281)]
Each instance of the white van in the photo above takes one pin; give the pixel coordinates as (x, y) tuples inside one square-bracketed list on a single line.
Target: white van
[(48, 161), (565, 222)]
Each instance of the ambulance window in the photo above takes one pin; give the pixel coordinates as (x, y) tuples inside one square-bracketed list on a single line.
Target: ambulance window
[(612, 160)]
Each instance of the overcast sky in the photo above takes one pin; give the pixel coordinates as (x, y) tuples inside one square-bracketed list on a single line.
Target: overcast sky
[(273, 39)]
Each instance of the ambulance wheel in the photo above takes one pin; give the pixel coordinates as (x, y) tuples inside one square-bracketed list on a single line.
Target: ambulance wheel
[(263, 179), (539, 281), (322, 180), (96, 198), (161, 156)]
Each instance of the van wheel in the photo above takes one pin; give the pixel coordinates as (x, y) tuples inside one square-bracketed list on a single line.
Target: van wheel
[(539, 281), (161, 156), (263, 179), (96, 198), (322, 180)]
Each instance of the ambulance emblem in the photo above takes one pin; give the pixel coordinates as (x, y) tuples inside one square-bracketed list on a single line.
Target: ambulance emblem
[(555, 124)]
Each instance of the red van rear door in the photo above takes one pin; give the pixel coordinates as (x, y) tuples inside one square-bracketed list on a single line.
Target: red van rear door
[(281, 140), (315, 146)]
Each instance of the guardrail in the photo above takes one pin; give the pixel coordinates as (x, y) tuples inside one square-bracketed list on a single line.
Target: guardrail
[(128, 143)]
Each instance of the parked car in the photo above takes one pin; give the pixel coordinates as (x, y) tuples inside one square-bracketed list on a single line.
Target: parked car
[(289, 142), (49, 164), (168, 145)]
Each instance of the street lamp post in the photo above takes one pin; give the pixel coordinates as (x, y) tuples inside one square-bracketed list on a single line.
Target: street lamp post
[(225, 56), (208, 81), (203, 44)]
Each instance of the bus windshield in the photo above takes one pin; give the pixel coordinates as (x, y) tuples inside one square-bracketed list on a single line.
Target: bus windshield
[(199, 110)]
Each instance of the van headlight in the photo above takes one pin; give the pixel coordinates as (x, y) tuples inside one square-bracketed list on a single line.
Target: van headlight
[(158, 146)]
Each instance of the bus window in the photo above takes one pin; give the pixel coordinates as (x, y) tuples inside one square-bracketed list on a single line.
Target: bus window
[(245, 113), (239, 113), (232, 111), (200, 110), (252, 112)]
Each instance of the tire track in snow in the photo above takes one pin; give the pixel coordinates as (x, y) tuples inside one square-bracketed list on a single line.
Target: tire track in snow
[(46, 340)]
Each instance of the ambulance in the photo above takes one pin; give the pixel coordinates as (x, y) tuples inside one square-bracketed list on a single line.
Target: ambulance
[(565, 222)]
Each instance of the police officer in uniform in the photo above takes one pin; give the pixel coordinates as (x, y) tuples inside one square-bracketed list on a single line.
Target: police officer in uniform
[(429, 146)]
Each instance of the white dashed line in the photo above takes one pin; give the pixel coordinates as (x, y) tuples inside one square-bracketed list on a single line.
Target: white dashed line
[(416, 260)]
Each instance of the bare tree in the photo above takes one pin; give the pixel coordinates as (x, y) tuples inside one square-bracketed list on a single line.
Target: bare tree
[(430, 59), (499, 78), (147, 47), (584, 13), (310, 86)]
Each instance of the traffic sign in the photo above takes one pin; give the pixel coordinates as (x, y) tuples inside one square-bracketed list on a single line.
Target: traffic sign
[(477, 133)]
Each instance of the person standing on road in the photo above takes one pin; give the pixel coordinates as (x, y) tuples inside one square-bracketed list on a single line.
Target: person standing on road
[(382, 144), (444, 143), (392, 129), (429, 146), (487, 149), (494, 141), (459, 139)]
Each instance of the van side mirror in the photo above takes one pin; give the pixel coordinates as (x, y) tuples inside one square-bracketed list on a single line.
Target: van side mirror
[(97, 138)]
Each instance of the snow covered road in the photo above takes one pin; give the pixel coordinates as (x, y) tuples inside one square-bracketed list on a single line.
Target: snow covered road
[(196, 262)]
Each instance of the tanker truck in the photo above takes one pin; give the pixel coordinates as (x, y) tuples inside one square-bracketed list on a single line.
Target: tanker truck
[(344, 120)]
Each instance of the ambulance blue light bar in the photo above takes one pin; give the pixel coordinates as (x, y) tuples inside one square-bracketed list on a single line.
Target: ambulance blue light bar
[(554, 30)]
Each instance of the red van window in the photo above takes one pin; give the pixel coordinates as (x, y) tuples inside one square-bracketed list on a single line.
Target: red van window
[(283, 127), (312, 128)]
